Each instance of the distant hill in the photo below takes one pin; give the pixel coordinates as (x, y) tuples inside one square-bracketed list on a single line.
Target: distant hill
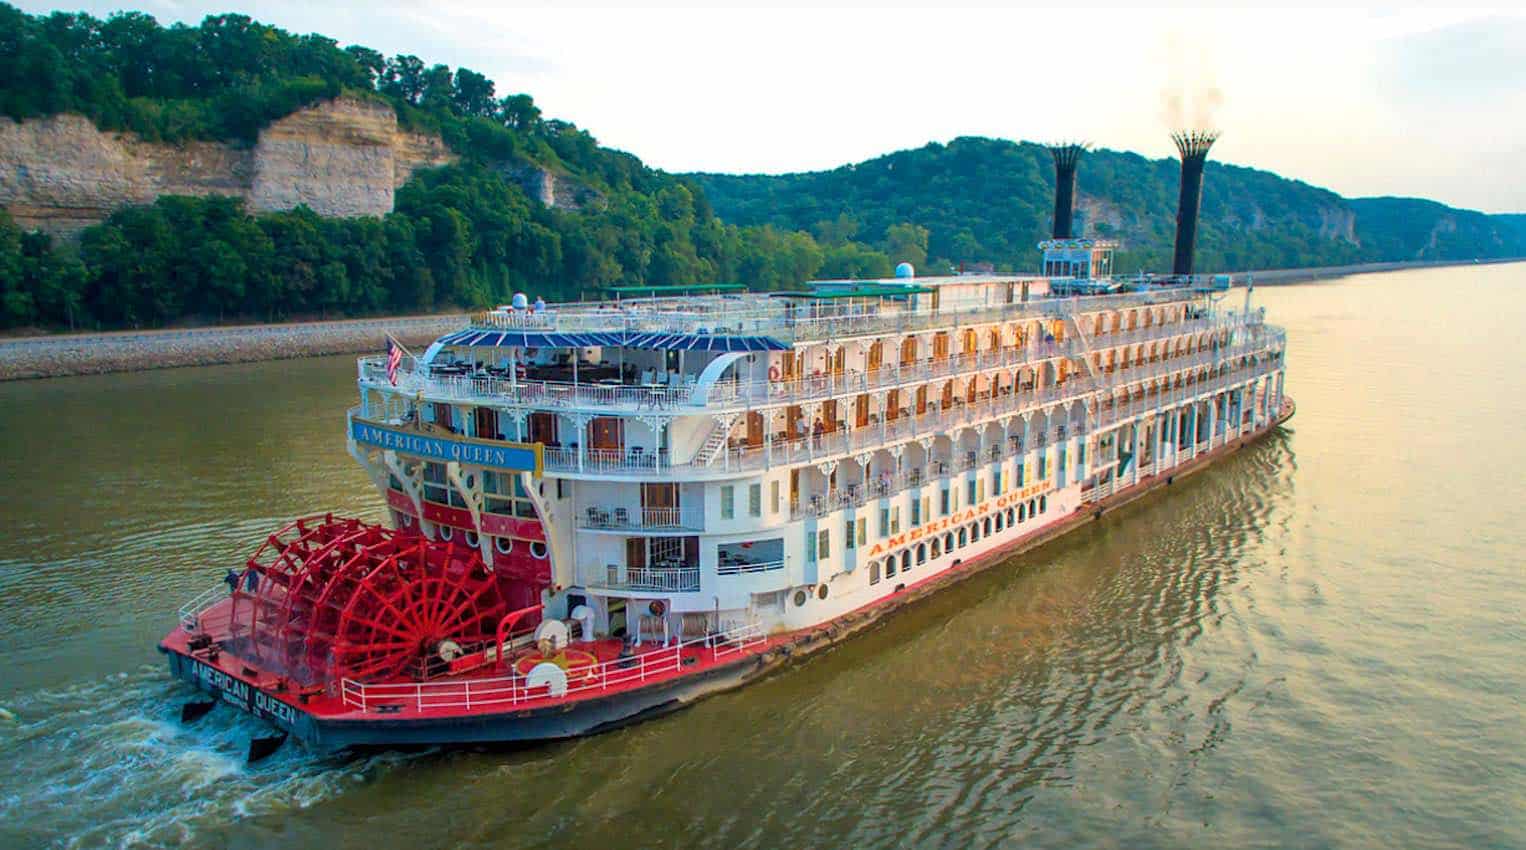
[(989, 200)]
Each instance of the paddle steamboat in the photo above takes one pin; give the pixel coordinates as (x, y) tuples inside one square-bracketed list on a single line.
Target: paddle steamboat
[(603, 511)]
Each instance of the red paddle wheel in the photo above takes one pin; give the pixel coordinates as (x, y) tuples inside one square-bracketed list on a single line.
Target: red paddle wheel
[(327, 599)]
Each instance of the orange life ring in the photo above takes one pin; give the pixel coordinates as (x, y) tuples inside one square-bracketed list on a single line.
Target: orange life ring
[(658, 607), (773, 373)]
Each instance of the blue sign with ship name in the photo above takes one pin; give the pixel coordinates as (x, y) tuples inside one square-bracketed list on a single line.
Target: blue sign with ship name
[(519, 457)]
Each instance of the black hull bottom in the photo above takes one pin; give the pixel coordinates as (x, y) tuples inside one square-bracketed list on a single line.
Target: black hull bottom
[(550, 723)]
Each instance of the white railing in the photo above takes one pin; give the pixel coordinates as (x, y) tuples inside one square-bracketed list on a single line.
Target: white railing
[(545, 394), (667, 579), (641, 519), (744, 569), (190, 613), (513, 689), (569, 459)]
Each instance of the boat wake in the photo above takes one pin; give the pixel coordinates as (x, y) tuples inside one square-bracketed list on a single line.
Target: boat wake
[(108, 764)]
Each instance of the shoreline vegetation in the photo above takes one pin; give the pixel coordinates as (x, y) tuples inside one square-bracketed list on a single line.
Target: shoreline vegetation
[(63, 355)]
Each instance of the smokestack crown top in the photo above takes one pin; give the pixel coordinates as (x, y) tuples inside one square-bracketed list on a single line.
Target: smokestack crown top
[(1194, 144), (1066, 154)]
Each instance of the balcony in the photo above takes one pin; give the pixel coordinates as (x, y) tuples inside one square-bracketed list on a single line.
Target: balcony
[(650, 579), (605, 518)]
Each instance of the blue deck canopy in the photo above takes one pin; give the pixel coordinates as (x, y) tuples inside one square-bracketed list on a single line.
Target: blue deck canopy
[(477, 338)]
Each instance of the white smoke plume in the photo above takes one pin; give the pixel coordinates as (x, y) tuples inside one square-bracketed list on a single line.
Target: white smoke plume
[(1190, 99)]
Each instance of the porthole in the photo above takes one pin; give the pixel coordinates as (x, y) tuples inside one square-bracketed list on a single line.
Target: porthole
[(821, 592), (446, 532), (472, 539), (538, 550), (504, 545), (800, 597), (407, 520)]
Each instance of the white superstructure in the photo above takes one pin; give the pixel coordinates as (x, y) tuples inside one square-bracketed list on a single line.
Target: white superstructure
[(718, 457)]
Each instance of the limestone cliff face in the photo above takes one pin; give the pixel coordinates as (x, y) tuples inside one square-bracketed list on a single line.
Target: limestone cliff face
[(344, 157)]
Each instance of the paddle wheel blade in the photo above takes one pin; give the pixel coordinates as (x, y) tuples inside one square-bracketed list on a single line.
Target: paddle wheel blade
[(328, 599)]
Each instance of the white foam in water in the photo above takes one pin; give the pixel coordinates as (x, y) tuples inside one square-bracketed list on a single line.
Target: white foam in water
[(108, 764)]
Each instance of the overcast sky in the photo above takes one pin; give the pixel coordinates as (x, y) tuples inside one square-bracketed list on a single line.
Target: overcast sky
[(1422, 103)]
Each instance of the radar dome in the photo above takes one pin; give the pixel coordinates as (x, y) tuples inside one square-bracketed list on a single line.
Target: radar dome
[(519, 301), (905, 270)]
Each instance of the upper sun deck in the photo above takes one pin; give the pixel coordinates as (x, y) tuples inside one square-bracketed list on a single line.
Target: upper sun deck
[(750, 321)]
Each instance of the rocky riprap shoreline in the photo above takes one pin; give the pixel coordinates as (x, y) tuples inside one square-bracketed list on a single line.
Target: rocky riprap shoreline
[(126, 351)]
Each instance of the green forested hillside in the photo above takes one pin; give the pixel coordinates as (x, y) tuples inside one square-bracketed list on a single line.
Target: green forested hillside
[(983, 200), (463, 235)]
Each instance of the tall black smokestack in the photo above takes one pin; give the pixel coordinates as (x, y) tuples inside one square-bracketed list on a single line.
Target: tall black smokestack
[(1194, 150), (1065, 158)]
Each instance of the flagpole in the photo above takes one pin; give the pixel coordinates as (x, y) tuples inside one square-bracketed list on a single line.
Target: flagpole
[(409, 354)]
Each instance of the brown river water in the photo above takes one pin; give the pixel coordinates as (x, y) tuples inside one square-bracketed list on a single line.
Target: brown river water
[(1316, 643)]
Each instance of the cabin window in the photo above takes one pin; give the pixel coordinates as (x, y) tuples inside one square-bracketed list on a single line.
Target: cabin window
[(1043, 504), (607, 433), (884, 522), (486, 424), (863, 531), (963, 538), (728, 502), (874, 572), (890, 566), (543, 428), (943, 502), (755, 500), (998, 521), (916, 513), (974, 531), (1022, 513), (1010, 515), (921, 553), (824, 544), (895, 519), (773, 496), (937, 550), (948, 542), (1031, 512), (985, 527), (970, 487), (906, 561), (848, 541)]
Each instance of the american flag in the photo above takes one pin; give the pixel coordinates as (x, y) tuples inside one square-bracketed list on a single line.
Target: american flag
[(394, 359)]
